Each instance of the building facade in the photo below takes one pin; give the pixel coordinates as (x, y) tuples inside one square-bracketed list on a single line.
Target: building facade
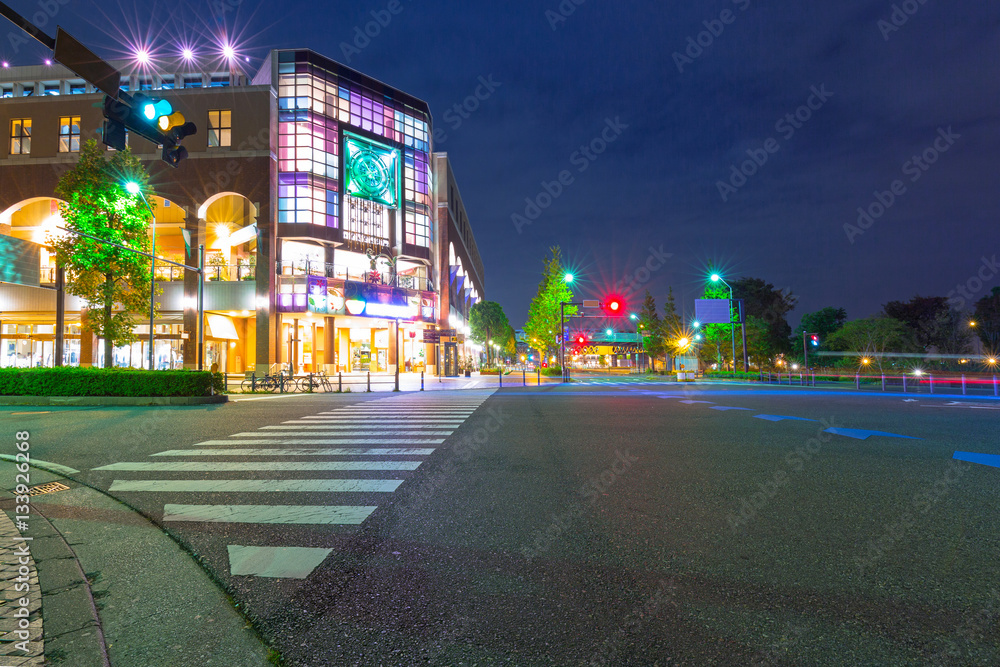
[(311, 186)]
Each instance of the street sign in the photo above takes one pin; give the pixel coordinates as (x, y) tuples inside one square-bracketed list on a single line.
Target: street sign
[(446, 332), (591, 303), (430, 336), (77, 57)]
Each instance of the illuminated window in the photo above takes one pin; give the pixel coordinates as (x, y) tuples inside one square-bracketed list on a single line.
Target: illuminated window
[(20, 136), (220, 128), (77, 88), (167, 83), (219, 81), (6, 91), (69, 134), (27, 91), (193, 81), (51, 89), (146, 83)]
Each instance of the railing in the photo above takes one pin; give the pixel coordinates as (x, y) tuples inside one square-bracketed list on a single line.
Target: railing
[(233, 272), (340, 272)]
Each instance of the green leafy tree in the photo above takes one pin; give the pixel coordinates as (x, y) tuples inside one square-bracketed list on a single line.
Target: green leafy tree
[(933, 323), (873, 338), (651, 328), (716, 346), (672, 329), (543, 314), (762, 300), (488, 322), (114, 282), (987, 319), (823, 322)]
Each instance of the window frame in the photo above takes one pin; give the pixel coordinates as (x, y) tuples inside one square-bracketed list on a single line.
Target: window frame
[(66, 139), (20, 136), (223, 134)]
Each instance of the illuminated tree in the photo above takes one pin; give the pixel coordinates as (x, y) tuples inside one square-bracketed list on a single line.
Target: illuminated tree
[(652, 328), (488, 322), (543, 314), (114, 282)]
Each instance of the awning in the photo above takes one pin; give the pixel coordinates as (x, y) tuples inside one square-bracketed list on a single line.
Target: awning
[(220, 326)]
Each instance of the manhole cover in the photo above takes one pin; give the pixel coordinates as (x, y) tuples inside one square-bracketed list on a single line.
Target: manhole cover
[(51, 487)]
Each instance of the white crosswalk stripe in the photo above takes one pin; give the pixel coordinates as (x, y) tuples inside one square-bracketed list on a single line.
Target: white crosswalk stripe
[(364, 450)]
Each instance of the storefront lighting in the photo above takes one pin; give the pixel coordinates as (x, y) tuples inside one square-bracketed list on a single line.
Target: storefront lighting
[(354, 306), (245, 313)]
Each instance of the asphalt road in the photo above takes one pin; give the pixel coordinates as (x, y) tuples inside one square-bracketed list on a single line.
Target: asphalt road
[(623, 523)]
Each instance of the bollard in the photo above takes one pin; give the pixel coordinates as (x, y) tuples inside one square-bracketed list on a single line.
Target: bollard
[(340, 382), (369, 382), (904, 383), (883, 381), (963, 384), (421, 380), (995, 386), (801, 381), (814, 379), (539, 371), (500, 375), (253, 381), (931, 379), (524, 377), (857, 381)]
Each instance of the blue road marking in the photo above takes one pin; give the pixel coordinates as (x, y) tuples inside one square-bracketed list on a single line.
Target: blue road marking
[(693, 402), (983, 459), (863, 434), (778, 418), (723, 407)]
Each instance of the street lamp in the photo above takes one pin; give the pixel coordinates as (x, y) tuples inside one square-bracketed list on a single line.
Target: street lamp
[(133, 189), (568, 278), (732, 326)]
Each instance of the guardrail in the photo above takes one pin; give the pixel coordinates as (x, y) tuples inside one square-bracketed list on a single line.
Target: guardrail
[(979, 384)]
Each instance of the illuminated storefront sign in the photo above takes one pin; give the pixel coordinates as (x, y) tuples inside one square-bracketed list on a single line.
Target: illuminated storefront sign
[(333, 297), (371, 170)]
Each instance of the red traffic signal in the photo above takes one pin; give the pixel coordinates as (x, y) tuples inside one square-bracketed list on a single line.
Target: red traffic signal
[(581, 339), (815, 340), (614, 306)]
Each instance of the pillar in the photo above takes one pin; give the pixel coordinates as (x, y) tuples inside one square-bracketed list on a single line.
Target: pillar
[(88, 341), (268, 345), (394, 343), (196, 228), (330, 343)]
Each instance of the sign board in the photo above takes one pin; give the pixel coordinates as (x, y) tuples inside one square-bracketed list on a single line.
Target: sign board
[(591, 303), (430, 336), (447, 332), (77, 57), (712, 311)]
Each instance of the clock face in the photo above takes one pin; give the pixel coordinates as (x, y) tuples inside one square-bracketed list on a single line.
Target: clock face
[(371, 170)]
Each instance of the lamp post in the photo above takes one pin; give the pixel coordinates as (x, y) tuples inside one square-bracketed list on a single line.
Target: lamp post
[(133, 189), (732, 325)]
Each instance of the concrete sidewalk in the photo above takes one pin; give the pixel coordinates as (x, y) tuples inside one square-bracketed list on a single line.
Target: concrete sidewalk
[(115, 589)]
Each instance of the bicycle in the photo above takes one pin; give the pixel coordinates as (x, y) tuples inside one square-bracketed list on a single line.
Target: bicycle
[(314, 381), (269, 383)]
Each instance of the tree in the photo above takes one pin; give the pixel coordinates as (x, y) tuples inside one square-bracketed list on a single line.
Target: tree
[(873, 338), (716, 346), (115, 282), (987, 319), (762, 300), (488, 322), (672, 329), (651, 328), (823, 322), (932, 322), (543, 314)]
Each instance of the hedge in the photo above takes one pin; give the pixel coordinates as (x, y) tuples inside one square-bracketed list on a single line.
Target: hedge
[(75, 381)]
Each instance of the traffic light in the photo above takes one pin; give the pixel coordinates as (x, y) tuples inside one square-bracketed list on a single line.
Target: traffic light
[(152, 119), (814, 339), (614, 306), (581, 339)]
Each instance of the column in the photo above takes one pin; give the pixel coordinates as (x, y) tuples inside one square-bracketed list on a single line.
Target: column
[(393, 344), (268, 345), (330, 344), (196, 228)]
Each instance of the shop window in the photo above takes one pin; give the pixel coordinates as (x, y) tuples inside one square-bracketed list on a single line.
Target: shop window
[(20, 136)]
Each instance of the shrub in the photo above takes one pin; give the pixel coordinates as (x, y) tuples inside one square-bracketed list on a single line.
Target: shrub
[(75, 381), (552, 371)]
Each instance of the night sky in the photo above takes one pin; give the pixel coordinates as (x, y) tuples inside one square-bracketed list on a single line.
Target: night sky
[(885, 84)]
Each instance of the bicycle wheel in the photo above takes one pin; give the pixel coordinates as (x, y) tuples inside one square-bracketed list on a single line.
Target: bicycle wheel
[(267, 383), (304, 385), (246, 386)]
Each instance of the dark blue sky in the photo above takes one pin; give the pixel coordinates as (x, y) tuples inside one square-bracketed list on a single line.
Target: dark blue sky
[(887, 95)]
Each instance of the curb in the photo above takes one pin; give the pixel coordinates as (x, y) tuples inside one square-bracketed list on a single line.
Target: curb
[(114, 400)]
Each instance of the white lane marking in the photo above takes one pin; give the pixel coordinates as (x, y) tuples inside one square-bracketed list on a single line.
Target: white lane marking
[(345, 440), (340, 433), (268, 398), (42, 465), (335, 451), (250, 466), (965, 407), (349, 427), (304, 514), (275, 562), (258, 485)]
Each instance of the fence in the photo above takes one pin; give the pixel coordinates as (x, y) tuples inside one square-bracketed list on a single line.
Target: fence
[(928, 383)]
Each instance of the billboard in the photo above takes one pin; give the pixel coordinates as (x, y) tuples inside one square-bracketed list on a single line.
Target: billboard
[(371, 170), (712, 311), (20, 261)]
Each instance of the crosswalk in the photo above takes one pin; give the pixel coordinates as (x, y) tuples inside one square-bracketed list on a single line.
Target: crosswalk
[(332, 459), (618, 382)]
